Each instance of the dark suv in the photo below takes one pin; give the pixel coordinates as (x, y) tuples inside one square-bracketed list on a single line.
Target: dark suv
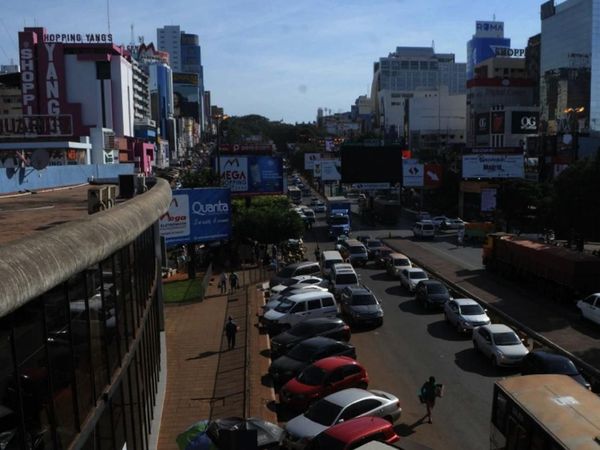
[(361, 306), (432, 294), (334, 328)]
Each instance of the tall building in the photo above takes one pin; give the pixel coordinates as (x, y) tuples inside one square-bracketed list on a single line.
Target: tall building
[(488, 37), (397, 76), (141, 95), (10, 95), (169, 40)]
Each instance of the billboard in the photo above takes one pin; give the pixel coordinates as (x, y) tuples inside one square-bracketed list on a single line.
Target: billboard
[(498, 126), (485, 28), (524, 122), (364, 164), (331, 169), (197, 215), (252, 174), (493, 166), (309, 160), (481, 48), (185, 78), (482, 124), (412, 173)]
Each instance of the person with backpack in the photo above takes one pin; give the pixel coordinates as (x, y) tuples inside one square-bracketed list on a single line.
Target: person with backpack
[(233, 281), (429, 391)]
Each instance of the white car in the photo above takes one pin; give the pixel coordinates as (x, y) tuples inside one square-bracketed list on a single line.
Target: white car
[(590, 307), (300, 279), (276, 299), (452, 224), (465, 314), (336, 408), (438, 220), (499, 343), (319, 207), (410, 277)]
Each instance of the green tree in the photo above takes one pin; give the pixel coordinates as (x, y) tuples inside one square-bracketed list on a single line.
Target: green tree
[(202, 178), (518, 202)]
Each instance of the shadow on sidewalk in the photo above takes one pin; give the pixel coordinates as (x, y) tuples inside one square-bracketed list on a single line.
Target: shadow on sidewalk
[(203, 355), (404, 430)]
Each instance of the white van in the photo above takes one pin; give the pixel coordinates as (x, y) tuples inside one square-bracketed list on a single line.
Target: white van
[(396, 263), (424, 229), (299, 307), (342, 275), (328, 259)]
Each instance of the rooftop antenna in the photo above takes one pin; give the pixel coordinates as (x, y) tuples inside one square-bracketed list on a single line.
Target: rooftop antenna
[(132, 41), (108, 14)]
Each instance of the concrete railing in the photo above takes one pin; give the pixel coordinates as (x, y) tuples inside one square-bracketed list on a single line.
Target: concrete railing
[(36, 264)]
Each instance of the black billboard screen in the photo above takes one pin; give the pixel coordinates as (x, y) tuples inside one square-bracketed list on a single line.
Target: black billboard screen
[(363, 164)]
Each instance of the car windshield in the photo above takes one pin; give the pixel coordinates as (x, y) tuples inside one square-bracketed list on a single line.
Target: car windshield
[(356, 250), (506, 338), (346, 278), (358, 300), (312, 376), (418, 275), (339, 220), (374, 243), (286, 272), (563, 366), (302, 352), (323, 412), (284, 306), (401, 262), (471, 310), (437, 289)]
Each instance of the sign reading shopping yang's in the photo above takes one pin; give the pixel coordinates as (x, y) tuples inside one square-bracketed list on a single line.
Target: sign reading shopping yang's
[(197, 215)]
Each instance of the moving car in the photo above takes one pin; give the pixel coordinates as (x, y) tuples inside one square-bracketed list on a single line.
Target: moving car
[(438, 220), (354, 252), (361, 306), (306, 352), (452, 224), (499, 343), (410, 277), (465, 314), (382, 257), (396, 263), (424, 229), (590, 307), (319, 207), (540, 362), (342, 275), (432, 294), (331, 327), (323, 377), (329, 258), (295, 269), (310, 215), (351, 434), (340, 240), (335, 408), (373, 247)]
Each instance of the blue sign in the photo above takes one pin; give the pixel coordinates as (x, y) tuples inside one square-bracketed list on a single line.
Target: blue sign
[(252, 174), (197, 215), (480, 49)]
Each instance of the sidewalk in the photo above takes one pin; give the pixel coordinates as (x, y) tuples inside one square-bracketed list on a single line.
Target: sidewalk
[(204, 379)]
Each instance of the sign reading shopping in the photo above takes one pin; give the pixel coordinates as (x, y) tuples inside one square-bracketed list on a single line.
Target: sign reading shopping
[(493, 166), (252, 174), (197, 215)]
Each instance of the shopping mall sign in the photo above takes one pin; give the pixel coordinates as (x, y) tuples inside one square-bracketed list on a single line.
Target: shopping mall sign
[(197, 215), (37, 125), (493, 166), (252, 174)]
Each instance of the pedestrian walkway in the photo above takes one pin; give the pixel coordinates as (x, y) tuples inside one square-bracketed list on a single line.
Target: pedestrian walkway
[(204, 379)]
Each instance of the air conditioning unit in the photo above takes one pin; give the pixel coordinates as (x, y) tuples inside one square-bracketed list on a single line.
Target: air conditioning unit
[(98, 199)]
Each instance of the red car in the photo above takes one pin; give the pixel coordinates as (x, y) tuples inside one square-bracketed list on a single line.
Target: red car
[(323, 377), (354, 433)]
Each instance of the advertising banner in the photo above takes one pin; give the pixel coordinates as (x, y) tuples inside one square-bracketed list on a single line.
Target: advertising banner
[(331, 169), (482, 124), (493, 166), (197, 215), (412, 173), (309, 160), (433, 175), (524, 122), (252, 174), (317, 169), (488, 200), (370, 186), (498, 122)]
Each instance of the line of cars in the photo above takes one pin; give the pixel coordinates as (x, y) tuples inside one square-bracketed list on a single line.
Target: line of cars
[(314, 366)]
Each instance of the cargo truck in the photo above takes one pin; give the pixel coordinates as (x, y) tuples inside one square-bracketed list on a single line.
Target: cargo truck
[(338, 216), (558, 272)]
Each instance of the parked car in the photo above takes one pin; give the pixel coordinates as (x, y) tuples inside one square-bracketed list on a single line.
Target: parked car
[(360, 306), (276, 299), (438, 220), (296, 281), (396, 263), (353, 433), (382, 257), (306, 352), (424, 229), (323, 377), (465, 314), (331, 327), (335, 408), (297, 308), (432, 294), (590, 307), (410, 277), (540, 362), (452, 224), (295, 269), (340, 240), (373, 247), (499, 343), (363, 238)]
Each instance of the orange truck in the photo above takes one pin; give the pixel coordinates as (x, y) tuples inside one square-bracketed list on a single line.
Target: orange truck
[(477, 231)]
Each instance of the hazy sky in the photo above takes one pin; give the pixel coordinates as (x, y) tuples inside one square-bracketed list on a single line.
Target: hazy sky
[(279, 58)]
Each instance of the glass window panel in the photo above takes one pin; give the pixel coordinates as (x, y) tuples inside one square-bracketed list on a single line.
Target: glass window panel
[(121, 311), (98, 316), (110, 313)]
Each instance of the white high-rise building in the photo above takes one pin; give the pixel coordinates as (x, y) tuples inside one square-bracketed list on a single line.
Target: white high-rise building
[(169, 40)]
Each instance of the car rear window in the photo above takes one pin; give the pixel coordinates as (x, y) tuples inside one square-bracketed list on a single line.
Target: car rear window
[(357, 249), (437, 289), (330, 262), (401, 262), (323, 412), (346, 278), (427, 227), (417, 275)]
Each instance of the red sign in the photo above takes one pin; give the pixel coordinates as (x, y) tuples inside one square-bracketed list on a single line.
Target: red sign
[(433, 175), (406, 154), (498, 122)]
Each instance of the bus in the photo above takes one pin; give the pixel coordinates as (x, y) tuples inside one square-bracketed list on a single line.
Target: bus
[(295, 194), (544, 412)]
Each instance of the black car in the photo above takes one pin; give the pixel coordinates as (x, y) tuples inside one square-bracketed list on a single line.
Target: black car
[(361, 306), (432, 294), (305, 353), (540, 362), (333, 328)]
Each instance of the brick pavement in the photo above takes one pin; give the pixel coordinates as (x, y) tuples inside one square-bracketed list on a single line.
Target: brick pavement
[(204, 379)]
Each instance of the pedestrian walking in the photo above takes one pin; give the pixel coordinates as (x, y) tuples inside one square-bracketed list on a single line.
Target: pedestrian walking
[(317, 253), (223, 283), (231, 329), (460, 236), (429, 391), (233, 281)]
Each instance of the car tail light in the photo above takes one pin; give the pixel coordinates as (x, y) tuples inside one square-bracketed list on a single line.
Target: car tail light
[(346, 331)]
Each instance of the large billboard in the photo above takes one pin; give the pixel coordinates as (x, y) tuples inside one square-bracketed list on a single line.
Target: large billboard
[(481, 48), (482, 124), (524, 122), (412, 173), (197, 215), (493, 166), (252, 174), (364, 164), (331, 169), (310, 159)]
